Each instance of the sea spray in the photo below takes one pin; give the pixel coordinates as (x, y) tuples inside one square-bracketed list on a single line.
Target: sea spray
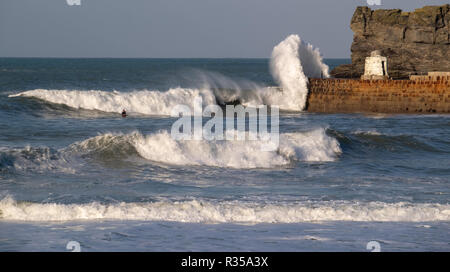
[(292, 62), (226, 89)]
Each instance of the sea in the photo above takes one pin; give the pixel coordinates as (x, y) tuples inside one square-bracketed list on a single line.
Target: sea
[(76, 175)]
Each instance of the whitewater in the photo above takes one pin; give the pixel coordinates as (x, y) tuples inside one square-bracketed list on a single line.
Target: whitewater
[(196, 211), (292, 62), (72, 169), (312, 146)]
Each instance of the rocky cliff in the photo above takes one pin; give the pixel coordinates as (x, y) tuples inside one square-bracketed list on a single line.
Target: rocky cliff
[(414, 42)]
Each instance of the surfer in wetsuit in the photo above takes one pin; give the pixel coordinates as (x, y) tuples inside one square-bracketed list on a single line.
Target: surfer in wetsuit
[(124, 113)]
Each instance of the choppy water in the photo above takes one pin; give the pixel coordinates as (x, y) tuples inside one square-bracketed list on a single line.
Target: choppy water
[(72, 169)]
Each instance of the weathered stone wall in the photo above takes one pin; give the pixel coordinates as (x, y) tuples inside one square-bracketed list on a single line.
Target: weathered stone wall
[(379, 96), (414, 42)]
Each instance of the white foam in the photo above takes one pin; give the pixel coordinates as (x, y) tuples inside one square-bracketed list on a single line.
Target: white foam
[(292, 62), (199, 211), (368, 132), (160, 147), (142, 102), (312, 146), (156, 102)]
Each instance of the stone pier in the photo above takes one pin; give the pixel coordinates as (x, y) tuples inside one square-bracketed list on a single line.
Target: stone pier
[(428, 94)]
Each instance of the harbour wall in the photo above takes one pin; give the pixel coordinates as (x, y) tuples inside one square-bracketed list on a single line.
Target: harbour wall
[(422, 95)]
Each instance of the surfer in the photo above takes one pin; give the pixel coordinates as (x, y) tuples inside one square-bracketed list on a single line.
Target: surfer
[(124, 113)]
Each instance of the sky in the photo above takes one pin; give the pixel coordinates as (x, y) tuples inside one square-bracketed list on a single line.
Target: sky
[(178, 28)]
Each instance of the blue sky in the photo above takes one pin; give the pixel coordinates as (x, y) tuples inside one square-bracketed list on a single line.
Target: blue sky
[(177, 28)]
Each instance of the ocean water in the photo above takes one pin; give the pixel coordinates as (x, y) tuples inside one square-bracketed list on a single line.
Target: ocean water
[(72, 169)]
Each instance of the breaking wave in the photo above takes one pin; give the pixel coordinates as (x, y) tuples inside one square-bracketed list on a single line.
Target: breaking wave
[(292, 62), (311, 146), (141, 102), (199, 211)]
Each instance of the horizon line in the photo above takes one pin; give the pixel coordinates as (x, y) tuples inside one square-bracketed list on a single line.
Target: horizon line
[(14, 57)]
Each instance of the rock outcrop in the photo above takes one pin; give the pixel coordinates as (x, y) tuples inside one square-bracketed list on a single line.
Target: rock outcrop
[(414, 42)]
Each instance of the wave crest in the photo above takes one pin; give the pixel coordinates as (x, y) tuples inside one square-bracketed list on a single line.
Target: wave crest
[(160, 147), (199, 211), (141, 102), (311, 146), (292, 62)]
